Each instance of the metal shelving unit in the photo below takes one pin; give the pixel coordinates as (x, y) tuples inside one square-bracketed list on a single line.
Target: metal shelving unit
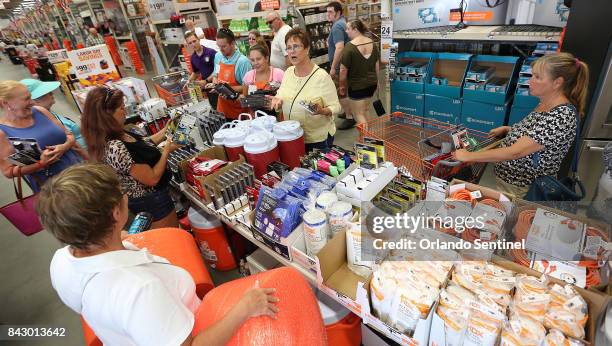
[(503, 33)]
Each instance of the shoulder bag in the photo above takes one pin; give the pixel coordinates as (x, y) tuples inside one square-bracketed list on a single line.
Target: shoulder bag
[(550, 189), (299, 91), (22, 213)]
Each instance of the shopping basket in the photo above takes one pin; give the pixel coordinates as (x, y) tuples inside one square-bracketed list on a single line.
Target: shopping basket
[(411, 143), (171, 87)]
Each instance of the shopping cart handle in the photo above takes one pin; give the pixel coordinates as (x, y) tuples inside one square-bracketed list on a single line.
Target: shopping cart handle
[(449, 163)]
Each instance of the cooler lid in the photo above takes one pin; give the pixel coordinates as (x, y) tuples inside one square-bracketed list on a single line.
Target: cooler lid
[(288, 130), (200, 219), (331, 311), (234, 137), (259, 142)]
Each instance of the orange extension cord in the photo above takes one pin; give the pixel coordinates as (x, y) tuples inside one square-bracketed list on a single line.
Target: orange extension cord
[(472, 234), (520, 256), (521, 229)]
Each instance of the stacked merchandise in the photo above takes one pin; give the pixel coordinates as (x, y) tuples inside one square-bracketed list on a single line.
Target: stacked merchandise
[(333, 163), (135, 57), (112, 49), (328, 217), (484, 301), (279, 209), (403, 292)]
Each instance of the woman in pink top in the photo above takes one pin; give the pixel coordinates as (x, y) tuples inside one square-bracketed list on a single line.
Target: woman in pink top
[(262, 77)]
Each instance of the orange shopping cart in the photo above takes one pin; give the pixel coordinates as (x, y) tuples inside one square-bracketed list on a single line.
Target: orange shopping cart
[(423, 146), (170, 87)]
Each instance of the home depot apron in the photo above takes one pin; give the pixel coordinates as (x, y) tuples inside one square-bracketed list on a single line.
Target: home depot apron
[(230, 108)]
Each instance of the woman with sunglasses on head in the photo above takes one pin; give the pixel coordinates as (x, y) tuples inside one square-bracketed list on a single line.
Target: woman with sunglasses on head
[(141, 166), (306, 85), (256, 38), (20, 119)]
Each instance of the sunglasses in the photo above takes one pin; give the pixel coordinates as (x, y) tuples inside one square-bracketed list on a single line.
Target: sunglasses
[(269, 22), (109, 94)]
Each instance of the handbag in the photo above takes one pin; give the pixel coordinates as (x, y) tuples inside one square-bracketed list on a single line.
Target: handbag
[(550, 189), (378, 105), (22, 213)]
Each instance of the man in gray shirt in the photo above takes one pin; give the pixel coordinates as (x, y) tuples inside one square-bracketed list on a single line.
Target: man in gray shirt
[(336, 40)]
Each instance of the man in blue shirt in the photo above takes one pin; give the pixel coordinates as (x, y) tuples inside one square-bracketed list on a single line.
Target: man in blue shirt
[(230, 68), (335, 42)]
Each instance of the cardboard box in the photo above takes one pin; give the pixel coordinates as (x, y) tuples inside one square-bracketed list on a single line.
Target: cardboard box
[(504, 67), (352, 291), (408, 103), (518, 113), (596, 302), (483, 117), (444, 109), (216, 152), (298, 254), (451, 67), (406, 83)]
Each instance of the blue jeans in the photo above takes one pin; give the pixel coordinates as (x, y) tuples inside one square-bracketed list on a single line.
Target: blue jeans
[(158, 203), (323, 146)]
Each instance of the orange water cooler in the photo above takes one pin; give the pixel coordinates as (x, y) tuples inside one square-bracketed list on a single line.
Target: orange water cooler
[(342, 326), (211, 239)]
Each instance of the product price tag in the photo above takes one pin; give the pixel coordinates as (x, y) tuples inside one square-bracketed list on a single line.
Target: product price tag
[(476, 194), (592, 246)]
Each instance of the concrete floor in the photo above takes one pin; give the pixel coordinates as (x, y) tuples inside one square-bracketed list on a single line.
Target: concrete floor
[(26, 295)]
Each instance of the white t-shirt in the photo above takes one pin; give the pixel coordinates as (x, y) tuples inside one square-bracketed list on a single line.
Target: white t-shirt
[(128, 297), (279, 48)]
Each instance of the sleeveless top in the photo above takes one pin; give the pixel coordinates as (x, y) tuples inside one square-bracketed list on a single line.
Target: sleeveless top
[(46, 133)]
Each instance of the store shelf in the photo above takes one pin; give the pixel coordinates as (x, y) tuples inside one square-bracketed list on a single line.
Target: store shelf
[(313, 5), (248, 15), (482, 33), (171, 42), (165, 21), (246, 232), (123, 37), (193, 6), (135, 17)]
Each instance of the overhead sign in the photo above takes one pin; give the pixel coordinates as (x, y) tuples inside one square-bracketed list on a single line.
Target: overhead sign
[(93, 65), (267, 5), (161, 9)]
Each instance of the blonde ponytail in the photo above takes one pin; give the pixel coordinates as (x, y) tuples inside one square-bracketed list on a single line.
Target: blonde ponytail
[(574, 72)]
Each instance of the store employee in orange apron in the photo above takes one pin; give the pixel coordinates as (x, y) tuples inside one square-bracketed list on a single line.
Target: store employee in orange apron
[(230, 68)]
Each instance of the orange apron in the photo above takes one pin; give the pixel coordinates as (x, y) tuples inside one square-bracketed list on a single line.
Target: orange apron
[(230, 108)]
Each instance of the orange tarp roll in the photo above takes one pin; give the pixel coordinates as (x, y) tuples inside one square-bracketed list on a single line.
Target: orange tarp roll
[(178, 247), (298, 321)]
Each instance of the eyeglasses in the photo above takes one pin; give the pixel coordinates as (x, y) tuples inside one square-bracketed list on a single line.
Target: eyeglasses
[(269, 22), (295, 47)]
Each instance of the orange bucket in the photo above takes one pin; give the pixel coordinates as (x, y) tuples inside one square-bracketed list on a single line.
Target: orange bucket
[(210, 236), (342, 326)]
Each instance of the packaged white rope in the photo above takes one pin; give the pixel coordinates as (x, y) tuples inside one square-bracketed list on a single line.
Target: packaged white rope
[(522, 331)]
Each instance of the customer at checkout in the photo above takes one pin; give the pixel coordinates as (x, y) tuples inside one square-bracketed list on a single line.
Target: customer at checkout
[(230, 68), (306, 82), (536, 145), (126, 295), (140, 165)]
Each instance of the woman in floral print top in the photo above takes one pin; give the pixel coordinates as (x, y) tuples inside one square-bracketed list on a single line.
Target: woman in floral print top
[(536, 145)]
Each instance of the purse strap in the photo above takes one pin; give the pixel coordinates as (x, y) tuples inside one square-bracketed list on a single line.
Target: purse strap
[(299, 91), (576, 146), (18, 187)]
